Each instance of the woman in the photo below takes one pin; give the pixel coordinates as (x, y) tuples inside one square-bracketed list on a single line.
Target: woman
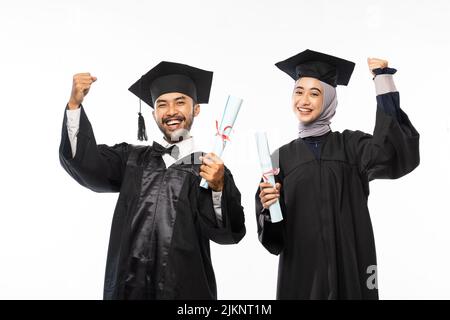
[(325, 242)]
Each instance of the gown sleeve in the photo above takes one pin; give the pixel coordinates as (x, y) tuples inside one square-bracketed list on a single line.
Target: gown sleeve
[(232, 227), (97, 167), (393, 149), (271, 235)]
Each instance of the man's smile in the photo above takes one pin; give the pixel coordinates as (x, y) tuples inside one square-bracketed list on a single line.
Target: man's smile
[(173, 123)]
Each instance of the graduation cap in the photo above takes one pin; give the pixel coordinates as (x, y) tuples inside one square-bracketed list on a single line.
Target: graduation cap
[(332, 70), (168, 77)]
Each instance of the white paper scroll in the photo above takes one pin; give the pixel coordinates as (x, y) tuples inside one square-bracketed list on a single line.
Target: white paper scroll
[(268, 172), (229, 116)]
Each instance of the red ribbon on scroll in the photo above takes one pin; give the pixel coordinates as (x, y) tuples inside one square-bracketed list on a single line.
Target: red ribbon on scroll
[(222, 134), (272, 172)]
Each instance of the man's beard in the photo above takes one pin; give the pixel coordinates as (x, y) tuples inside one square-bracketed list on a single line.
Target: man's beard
[(178, 134)]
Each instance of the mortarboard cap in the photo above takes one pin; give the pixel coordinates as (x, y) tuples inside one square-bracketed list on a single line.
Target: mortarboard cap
[(168, 77), (173, 77), (332, 70)]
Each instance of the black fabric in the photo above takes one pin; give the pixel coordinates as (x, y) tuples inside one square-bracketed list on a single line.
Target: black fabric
[(173, 77), (387, 70), (325, 242), (315, 143), (159, 150), (173, 83), (329, 69), (318, 70), (163, 220)]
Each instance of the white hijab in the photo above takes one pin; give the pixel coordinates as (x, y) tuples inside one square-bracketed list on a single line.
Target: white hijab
[(322, 124)]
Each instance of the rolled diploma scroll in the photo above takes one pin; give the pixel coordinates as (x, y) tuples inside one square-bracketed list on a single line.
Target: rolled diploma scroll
[(230, 113), (267, 169)]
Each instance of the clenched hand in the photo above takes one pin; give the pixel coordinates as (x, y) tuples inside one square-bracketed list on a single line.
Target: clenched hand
[(80, 88), (375, 63)]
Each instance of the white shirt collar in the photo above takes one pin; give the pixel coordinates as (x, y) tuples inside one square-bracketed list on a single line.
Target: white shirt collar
[(186, 147)]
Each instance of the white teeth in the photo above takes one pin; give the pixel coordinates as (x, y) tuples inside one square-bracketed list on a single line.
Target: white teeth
[(305, 110), (173, 122)]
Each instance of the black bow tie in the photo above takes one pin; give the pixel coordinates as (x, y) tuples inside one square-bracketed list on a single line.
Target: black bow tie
[(159, 150)]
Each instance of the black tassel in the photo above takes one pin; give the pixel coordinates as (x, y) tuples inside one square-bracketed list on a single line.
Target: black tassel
[(142, 134)]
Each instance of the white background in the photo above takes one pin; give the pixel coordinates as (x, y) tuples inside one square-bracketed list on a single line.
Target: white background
[(54, 233)]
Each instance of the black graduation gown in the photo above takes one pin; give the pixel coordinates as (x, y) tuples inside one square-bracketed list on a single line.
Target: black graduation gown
[(163, 220), (325, 242)]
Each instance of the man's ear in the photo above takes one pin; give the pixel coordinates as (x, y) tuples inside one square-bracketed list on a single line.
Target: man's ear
[(196, 110), (153, 114)]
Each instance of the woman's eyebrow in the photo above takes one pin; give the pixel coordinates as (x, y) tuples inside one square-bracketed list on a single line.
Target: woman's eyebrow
[(313, 88)]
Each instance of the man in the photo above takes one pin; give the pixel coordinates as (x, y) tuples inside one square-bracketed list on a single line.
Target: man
[(163, 220), (325, 242)]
